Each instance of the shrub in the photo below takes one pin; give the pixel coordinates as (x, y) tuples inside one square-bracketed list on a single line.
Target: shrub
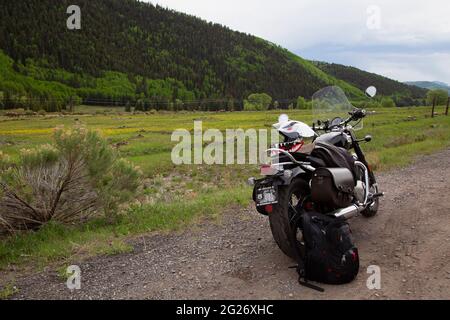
[(140, 105), (301, 103), (128, 107), (440, 96), (257, 101), (249, 106), (276, 105), (372, 104), (77, 176), (388, 103), (230, 104), (4, 161)]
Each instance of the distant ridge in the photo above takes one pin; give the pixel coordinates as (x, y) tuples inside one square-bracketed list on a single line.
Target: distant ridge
[(362, 79), (430, 85)]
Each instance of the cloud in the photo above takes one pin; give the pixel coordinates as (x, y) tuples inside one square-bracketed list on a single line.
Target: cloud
[(427, 67), (405, 40)]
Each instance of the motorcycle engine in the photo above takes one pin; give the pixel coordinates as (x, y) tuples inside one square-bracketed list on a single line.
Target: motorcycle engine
[(359, 191)]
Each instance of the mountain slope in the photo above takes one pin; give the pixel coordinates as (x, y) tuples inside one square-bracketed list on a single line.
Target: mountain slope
[(139, 41), (363, 79), (430, 85)]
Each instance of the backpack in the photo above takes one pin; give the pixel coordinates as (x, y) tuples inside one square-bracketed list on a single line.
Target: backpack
[(330, 255)]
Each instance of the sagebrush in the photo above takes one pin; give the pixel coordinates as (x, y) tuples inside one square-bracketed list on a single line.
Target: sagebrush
[(75, 177)]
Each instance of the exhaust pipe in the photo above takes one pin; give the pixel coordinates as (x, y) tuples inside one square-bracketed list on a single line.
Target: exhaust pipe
[(349, 212), (355, 209)]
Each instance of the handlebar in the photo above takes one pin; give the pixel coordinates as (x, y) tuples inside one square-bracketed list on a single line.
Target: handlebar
[(355, 115)]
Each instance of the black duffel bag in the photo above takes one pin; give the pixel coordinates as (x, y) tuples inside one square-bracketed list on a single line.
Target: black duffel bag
[(330, 255)]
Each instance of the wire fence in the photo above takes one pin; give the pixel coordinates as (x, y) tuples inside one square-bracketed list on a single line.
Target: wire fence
[(149, 103)]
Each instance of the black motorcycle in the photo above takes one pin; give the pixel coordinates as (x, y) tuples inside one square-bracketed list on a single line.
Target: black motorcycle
[(320, 168)]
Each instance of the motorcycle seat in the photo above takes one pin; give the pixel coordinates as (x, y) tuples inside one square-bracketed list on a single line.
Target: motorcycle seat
[(333, 157)]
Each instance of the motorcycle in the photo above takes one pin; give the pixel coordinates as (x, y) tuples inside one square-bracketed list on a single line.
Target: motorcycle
[(320, 168)]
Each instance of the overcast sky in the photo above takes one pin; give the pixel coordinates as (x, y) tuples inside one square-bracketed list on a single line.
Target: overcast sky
[(404, 40)]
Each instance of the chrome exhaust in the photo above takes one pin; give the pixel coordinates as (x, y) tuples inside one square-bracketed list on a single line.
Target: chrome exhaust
[(349, 212), (353, 210), (366, 181)]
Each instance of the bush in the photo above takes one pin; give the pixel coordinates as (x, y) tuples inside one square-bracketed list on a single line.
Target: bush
[(77, 176), (4, 161), (249, 106), (276, 105), (301, 103), (128, 107), (140, 105), (388, 103), (438, 95), (257, 101), (373, 104)]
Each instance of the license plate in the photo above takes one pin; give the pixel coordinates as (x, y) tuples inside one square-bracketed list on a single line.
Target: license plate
[(266, 195)]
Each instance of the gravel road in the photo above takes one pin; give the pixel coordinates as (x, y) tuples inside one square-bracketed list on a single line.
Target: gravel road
[(236, 257)]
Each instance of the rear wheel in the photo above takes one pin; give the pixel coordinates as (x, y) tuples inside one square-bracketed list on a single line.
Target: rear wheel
[(287, 236)]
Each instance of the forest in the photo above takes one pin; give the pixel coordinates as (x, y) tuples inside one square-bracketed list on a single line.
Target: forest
[(137, 54), (402, 94)]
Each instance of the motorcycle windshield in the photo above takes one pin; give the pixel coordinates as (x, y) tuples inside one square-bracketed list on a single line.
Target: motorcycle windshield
[(330, 103)]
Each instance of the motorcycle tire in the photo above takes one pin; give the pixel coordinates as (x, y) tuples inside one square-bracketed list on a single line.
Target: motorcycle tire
[(283, 230)]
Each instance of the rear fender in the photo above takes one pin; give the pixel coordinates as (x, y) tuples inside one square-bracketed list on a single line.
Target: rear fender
[(281, 179)]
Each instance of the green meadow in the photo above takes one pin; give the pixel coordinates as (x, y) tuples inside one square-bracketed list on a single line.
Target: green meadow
[(176, 196)]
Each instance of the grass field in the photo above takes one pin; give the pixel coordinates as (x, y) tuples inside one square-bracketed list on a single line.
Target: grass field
[(175, 196)]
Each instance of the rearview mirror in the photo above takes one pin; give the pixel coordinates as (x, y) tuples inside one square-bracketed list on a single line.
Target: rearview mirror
[(283, 118), (371, 91)]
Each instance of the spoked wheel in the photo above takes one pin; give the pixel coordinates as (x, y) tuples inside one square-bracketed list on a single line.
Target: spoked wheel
[(282, 219)]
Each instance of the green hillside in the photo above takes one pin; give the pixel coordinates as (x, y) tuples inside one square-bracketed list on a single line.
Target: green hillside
[(128, 50), (430, 85), (363, 79)]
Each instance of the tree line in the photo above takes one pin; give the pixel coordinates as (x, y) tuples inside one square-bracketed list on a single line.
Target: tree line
[(171, 51), (363, 79), (144, 56)]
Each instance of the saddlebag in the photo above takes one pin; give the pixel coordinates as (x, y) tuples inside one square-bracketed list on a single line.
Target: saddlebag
[(330, 255), (332, 187)]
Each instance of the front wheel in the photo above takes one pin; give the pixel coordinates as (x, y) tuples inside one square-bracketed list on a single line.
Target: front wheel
[(281, 218)]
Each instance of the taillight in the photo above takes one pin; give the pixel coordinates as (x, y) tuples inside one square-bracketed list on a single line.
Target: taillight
[(268, 208)]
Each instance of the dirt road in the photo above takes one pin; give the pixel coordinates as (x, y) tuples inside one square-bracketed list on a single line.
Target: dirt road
[(236, 258)]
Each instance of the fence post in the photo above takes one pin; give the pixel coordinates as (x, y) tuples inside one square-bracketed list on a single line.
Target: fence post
[(446, 109), (432, 109), (71, 104)]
